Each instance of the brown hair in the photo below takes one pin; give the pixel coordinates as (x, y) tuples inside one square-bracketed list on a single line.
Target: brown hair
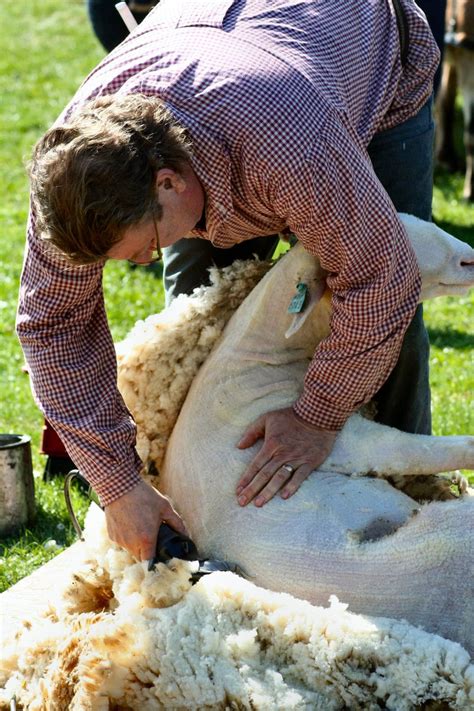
[(94, 175)]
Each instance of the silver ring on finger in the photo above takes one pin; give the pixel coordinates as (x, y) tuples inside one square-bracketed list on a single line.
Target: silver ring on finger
[(289, 468)]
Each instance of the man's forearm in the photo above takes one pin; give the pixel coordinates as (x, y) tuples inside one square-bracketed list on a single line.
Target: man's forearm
[(62, 327), (346, 372)]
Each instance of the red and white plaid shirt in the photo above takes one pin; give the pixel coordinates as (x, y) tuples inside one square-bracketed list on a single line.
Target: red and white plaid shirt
[(280, 99)]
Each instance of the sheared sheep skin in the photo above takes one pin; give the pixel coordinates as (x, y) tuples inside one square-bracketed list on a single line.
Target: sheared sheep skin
[(358, 538)]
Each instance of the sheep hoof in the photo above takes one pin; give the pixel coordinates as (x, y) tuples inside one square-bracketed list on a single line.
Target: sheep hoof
[(439, 487)]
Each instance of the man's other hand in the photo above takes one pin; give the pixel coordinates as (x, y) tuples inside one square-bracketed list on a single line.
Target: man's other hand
[(291, 450), (133, 520)]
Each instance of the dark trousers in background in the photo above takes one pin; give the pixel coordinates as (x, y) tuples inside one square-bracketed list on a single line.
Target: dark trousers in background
[(403, 160), (108, 26), (435, 11)]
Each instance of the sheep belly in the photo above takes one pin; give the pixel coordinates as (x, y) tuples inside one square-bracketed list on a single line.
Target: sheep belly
[(357, 538)]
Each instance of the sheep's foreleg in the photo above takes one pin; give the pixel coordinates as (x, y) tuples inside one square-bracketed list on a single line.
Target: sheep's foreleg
[(366, 447)]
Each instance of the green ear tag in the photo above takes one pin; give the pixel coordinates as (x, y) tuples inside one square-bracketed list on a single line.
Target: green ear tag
[(298, 301)]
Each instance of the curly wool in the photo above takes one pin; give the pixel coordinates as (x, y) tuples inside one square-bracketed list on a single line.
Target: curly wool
[(159, 358), (159, 643)]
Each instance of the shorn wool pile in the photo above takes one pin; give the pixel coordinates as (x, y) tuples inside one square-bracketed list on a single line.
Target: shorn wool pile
[(120, 637)]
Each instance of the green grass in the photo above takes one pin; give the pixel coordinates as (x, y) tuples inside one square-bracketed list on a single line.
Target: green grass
[(46, 49), (52, 532), (450, 323)]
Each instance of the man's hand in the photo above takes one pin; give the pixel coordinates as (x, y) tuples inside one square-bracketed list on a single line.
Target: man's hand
[(288, 442), (133, 520)]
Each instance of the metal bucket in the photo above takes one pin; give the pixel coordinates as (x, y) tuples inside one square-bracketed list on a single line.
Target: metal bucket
[(17, 488)]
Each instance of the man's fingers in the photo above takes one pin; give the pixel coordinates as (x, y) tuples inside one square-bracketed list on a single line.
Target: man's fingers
[(147, 550), (256, 466), (175, 522), (269, 482), (148, 546), (253, 433), (133, 520), (272, 472), (279, 479), (141, 548), (291, 451), (296, 480)]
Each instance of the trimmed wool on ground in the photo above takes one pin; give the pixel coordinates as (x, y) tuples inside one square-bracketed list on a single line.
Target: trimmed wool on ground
[(224, 643)]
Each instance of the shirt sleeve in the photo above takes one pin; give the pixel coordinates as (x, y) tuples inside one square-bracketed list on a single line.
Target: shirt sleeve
[(338, 209), (62, 327)]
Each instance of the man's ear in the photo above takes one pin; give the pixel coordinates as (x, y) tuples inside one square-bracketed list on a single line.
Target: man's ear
[(169, 179)]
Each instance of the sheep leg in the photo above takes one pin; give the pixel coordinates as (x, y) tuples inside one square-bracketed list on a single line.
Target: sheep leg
[(365, 447)]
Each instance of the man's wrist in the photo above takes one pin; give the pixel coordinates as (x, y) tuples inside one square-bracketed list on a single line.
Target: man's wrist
[(334, 430), (115, 488)]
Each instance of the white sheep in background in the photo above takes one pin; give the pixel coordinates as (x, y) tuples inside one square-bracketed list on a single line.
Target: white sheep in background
[(123, 638)]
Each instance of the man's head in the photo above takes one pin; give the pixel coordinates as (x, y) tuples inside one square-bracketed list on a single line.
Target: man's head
[(100, 174)]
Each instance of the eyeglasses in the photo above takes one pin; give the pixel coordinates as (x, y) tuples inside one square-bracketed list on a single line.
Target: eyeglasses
[(157, 249)]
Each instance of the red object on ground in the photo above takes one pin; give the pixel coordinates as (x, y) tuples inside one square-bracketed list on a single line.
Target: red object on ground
[(51, 443)]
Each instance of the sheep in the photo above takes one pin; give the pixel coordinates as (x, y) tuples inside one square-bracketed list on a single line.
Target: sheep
[(359, 538), (120, 637), (160, 357)]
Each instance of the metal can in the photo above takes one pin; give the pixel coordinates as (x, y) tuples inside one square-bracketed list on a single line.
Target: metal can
[(17, 488)]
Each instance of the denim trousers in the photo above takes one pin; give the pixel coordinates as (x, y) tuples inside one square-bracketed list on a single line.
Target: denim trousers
[(402, 158)]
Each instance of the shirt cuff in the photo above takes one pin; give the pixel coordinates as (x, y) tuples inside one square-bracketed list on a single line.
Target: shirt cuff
[(117, 482), (324, 416)]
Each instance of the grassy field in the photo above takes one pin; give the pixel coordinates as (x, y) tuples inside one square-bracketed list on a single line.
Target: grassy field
[(46, 49)]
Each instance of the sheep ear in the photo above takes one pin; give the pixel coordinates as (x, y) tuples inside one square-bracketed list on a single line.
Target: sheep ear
[(314, 293)]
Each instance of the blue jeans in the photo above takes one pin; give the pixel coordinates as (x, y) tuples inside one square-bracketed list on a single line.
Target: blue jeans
[(403, 162), (435, 11)]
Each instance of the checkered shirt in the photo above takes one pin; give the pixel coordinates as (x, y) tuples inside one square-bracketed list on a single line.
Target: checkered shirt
[(281, 100)]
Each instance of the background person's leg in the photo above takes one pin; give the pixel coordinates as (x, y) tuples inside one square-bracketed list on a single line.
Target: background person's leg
[(187, 262), (403, 161), (108, 26), (435, 11)]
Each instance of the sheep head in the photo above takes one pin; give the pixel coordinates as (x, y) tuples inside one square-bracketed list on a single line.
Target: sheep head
[(446, 263)]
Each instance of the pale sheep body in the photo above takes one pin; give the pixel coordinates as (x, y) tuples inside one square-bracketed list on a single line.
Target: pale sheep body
[(225, 643), (160, 357), (357, 538)]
